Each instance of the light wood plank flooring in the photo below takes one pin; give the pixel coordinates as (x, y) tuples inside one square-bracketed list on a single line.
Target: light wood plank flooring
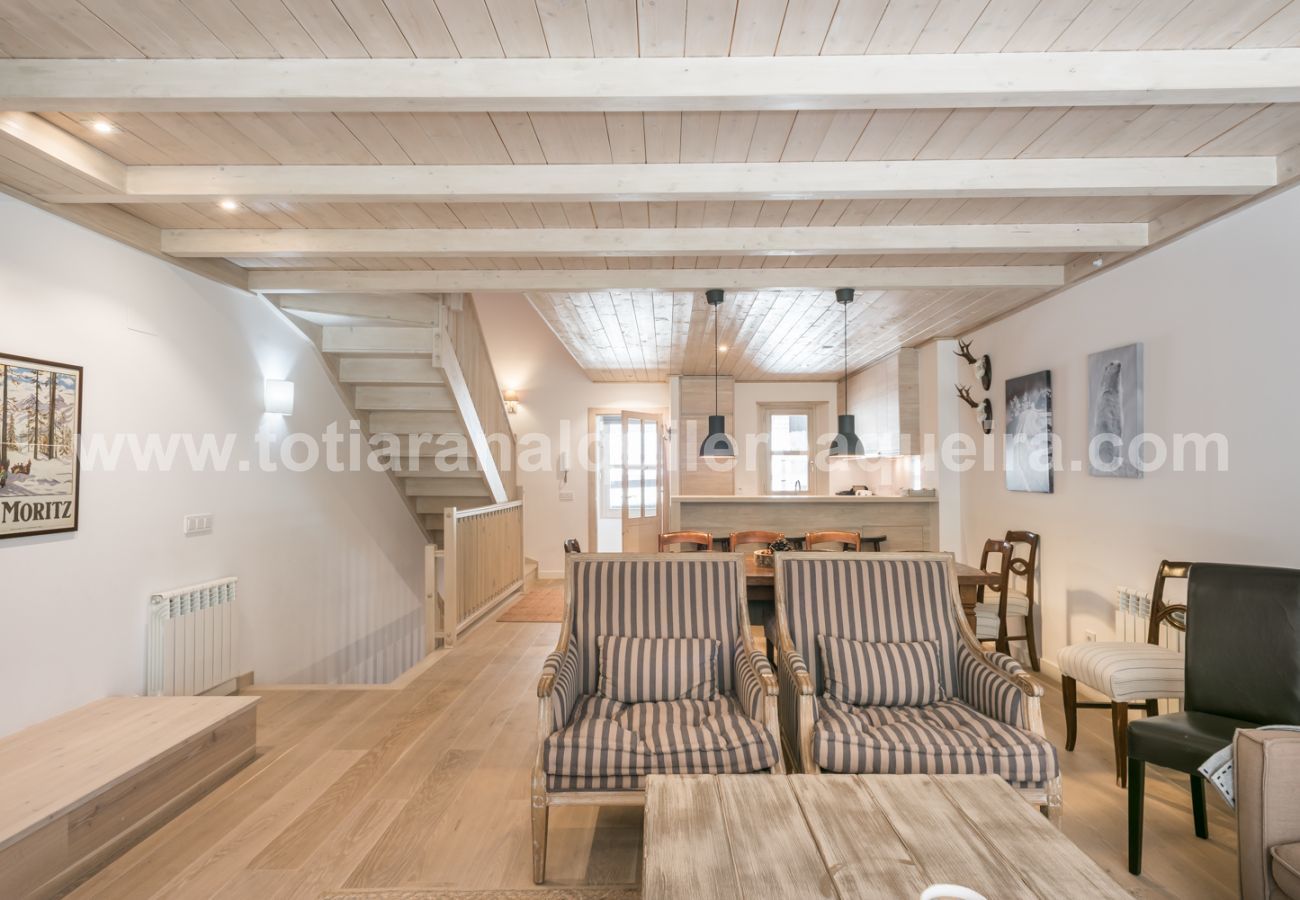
[(428, 787)]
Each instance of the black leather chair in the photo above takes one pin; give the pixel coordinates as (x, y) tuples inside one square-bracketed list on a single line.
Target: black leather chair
[(571, 546), (1242, 670)]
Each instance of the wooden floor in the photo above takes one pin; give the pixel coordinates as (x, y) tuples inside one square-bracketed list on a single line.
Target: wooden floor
[(427, 786)]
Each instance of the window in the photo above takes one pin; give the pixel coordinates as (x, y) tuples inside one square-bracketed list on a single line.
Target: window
[(610, 467), (789, 467)]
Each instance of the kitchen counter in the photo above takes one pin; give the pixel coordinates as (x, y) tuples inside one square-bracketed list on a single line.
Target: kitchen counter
[(908, 523)]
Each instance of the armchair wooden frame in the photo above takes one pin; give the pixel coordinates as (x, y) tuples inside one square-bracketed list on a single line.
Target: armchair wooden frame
[(1119, 709), (542, 797), (1047, 798), (700, 540), (851, 540)]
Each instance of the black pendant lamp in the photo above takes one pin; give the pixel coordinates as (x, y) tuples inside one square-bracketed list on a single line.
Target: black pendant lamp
[(717, 444), (847, 444)]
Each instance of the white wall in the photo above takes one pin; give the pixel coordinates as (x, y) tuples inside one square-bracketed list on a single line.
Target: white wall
[(748, 421), (554, 398), (330, 564), (1217, 312)]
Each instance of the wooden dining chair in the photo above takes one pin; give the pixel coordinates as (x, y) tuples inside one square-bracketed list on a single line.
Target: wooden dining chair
[(761, 539), (849, 541), (991, 600), (685, 541), (1020, 604)]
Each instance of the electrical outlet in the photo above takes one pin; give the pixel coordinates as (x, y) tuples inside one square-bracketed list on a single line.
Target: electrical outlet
[(198, 524), (566, 496), (1090, 636)]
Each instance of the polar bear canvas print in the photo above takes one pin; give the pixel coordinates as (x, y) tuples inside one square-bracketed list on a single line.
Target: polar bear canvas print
[(1114, 411)]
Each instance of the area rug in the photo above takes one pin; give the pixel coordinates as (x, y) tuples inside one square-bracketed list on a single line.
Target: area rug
[(578, 893), (544, 603)]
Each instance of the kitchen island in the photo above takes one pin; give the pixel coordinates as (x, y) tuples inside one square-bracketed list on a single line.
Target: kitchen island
[(908, 523)]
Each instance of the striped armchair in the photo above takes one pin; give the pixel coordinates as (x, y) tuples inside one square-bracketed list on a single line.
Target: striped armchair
[(908, 689), (650, 710)]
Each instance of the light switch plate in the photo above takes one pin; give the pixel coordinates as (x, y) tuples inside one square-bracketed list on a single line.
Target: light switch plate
[(198, 524), (566, 496)]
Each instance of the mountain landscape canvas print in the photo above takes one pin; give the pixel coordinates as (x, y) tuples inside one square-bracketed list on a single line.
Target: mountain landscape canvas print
[(40, 420)]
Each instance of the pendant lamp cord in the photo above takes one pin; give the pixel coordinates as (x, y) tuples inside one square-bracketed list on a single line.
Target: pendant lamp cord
[(715, 360), (846, 358)]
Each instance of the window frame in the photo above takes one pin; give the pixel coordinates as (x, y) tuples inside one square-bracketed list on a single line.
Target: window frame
[(816, 478)]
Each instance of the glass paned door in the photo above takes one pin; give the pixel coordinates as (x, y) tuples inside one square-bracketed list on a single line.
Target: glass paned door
[(642, 480)]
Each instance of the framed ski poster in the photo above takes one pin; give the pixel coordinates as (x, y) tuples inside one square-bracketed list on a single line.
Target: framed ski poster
[(40, 425)]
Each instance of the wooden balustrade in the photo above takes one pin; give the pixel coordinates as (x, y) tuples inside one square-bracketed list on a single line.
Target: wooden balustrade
[(466, 336), (482, 563)]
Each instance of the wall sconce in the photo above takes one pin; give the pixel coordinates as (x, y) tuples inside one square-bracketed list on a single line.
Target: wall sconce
[(278, 396), (512, 401)]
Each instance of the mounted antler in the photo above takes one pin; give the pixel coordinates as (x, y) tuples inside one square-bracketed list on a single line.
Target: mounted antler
[(964, 393), (964, 352)]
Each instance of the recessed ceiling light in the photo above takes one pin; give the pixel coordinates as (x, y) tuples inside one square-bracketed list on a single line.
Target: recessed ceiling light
[(229, 205), (722, 348), (103, 126), (1098, 263)]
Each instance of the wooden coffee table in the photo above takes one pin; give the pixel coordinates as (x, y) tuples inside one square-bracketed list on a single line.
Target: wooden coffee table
[(887, 836)]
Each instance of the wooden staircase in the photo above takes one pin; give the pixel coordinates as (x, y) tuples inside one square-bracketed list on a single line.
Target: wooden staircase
[(415, 373)]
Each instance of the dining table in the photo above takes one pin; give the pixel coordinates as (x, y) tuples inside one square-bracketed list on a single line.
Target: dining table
[(760, 588)]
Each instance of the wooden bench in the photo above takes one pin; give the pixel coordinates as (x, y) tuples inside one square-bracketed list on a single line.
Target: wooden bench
[(80, 788)]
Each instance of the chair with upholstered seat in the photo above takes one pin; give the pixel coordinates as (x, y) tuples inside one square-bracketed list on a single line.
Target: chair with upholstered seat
[(991, 617), (655, 672), (1241, 670), (880, 674), (685, 541), (833, 540), (1130, 675)]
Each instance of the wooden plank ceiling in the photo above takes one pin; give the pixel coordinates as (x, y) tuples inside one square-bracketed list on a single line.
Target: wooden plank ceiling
[(951, 159)]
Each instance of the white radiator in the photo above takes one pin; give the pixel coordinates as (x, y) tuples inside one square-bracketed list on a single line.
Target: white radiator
[(193, 639)]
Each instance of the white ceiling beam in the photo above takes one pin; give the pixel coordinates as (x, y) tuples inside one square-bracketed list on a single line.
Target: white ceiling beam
[(490, 242), (68, 154), (288, 281), (735, 83), (695, 181)]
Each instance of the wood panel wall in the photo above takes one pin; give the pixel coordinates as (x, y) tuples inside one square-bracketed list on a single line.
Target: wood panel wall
[(695, 405)]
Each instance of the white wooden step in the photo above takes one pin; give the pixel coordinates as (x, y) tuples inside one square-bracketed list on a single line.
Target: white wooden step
[(434, 506), (438, 487), (427, 467), (404, 397), (388, 370), (404, 308), (436, 423), (406, 448), (378, 339)]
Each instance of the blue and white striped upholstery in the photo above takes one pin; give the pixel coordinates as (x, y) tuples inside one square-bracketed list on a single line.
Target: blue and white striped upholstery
[(696, 597), (981, 727), (878, 673), (946, 738), (601, 743), (650, 670), (987, 621), (611, 739), (1125, 671)]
